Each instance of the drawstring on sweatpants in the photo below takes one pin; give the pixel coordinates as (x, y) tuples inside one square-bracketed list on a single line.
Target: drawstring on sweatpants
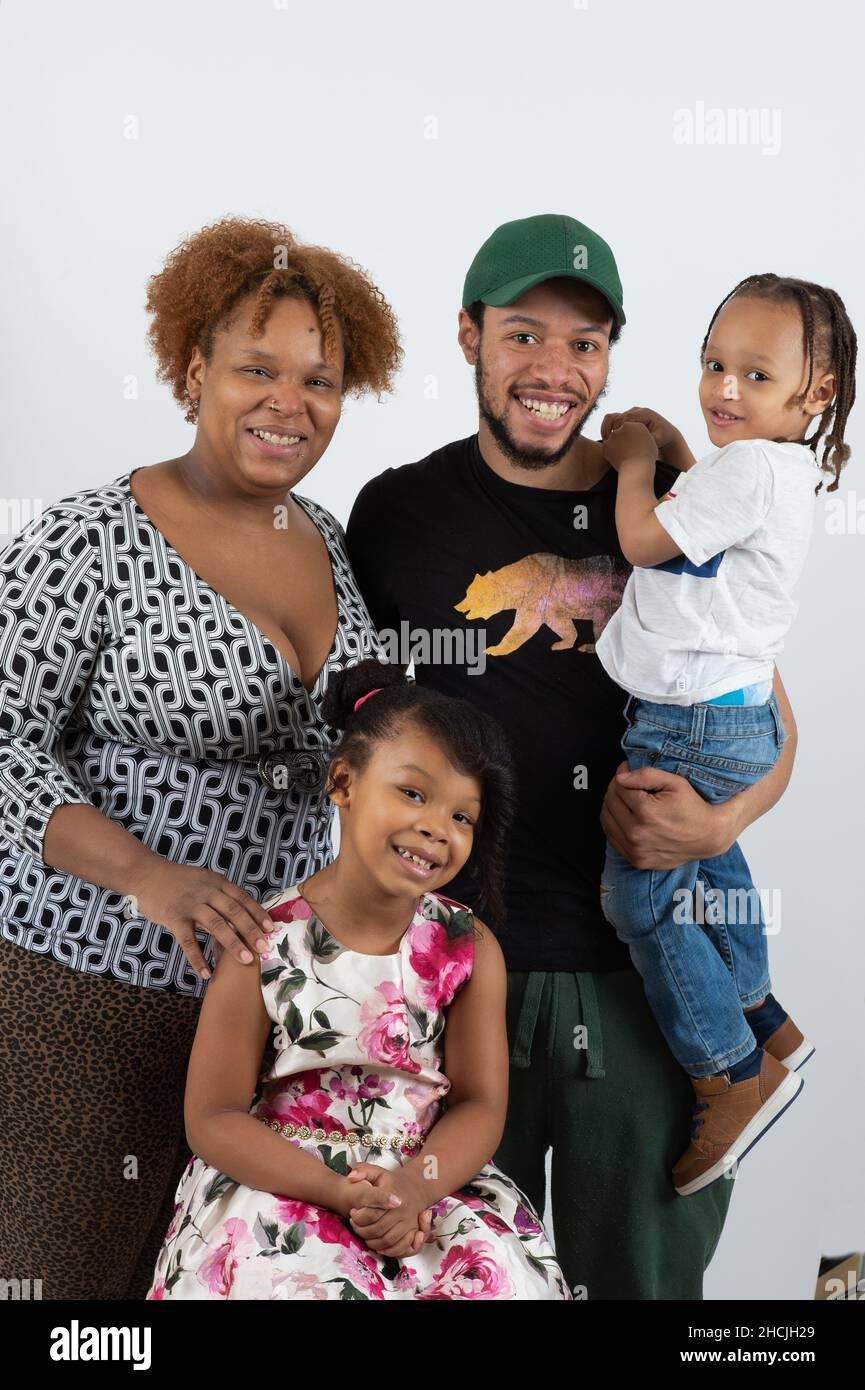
[(521, 1055), (521, 1052), (591, 1016)]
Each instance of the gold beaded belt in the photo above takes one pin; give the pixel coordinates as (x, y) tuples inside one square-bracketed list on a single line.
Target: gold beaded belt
[(353, 1137)]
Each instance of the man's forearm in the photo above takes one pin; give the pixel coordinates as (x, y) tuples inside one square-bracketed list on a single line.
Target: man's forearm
[(747, 806)]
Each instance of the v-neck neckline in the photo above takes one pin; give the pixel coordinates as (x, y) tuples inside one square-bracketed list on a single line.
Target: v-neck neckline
[(267, 641), (364, 955)]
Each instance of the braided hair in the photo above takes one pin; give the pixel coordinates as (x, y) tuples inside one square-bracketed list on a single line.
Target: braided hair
[(829, 341), (474, 743)]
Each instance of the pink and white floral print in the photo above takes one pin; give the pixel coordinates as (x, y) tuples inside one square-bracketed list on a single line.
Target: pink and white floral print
[(357, 1046)]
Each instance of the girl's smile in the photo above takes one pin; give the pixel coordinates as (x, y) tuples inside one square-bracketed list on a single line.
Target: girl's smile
[(415, 865)]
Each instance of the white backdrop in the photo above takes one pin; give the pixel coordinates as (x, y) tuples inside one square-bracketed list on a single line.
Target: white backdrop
[(402, 135)]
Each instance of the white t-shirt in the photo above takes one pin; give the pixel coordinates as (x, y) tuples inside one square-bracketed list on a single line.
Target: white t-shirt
[(714, 618)]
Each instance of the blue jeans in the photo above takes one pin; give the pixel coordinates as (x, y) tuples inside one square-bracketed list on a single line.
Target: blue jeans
[(701, 963)]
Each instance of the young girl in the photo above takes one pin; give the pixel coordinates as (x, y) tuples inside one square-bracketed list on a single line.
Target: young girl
[(347, 1177), (702, 619)]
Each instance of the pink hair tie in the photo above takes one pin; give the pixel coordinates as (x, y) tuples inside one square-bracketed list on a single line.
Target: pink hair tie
[(366, 697)]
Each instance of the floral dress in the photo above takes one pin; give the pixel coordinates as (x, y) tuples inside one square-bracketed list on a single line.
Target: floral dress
[(353, 1074)]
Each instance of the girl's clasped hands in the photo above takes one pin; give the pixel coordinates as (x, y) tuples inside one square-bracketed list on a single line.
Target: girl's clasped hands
[(386, 1212)]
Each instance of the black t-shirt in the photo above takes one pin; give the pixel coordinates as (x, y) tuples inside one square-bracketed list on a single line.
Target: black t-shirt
[(539, 567)]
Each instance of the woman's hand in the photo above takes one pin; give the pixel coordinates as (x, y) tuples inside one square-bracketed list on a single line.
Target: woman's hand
[(395, 1230), (180, 899)]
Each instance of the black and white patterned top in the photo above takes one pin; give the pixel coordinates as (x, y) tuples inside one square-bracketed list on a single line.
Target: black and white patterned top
[(127, 682)]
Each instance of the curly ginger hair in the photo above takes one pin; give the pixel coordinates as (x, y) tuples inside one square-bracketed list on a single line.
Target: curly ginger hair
[(209, 272)]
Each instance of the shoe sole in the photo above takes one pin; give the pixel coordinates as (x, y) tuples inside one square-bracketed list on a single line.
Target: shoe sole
[(763, 1121), (797, 1059)]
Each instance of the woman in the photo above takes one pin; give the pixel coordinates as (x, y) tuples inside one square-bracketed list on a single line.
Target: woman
[(167, 638)]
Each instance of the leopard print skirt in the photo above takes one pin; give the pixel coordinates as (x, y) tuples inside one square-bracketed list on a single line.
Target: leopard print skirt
[(92, 1141)]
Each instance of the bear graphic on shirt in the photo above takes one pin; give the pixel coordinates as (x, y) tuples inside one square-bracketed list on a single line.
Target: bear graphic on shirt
[(547, 590)]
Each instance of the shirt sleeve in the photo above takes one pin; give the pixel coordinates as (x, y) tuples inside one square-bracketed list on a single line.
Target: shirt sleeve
[(719, 502), (367, 552), (50, 630)]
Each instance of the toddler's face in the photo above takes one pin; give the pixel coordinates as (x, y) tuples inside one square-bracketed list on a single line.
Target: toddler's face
[(753, 367), (410, 801)]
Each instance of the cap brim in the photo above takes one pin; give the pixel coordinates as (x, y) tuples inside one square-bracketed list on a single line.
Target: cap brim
[(506, 294)]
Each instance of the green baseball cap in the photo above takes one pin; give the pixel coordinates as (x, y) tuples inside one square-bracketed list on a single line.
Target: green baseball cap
[(524, 253)]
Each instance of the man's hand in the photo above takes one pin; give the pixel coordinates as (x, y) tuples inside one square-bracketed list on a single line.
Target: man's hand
[(657, 821)]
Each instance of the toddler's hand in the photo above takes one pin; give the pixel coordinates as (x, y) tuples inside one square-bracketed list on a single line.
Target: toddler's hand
[(627, 441), (661, 430)]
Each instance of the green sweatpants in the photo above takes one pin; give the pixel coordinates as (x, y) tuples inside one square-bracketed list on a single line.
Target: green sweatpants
[(592, 1078)]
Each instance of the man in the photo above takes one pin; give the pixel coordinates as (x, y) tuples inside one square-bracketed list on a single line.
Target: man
[(509, 537)]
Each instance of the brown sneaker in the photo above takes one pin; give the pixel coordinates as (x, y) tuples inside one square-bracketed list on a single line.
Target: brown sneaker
[(737, 1114), (791, 1047)]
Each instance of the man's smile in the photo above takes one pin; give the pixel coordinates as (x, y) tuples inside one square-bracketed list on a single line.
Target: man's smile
[(547, 411)]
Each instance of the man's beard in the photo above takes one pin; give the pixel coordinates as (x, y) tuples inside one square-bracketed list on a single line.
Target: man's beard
[(520, 454)]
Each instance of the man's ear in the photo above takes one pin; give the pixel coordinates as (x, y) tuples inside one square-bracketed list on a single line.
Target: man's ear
[(468, 337)]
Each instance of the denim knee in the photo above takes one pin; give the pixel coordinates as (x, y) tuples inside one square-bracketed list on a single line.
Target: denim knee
[(629, 912)]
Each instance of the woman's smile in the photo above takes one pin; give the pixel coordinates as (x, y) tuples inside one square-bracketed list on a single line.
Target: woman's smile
[(287, 445)]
